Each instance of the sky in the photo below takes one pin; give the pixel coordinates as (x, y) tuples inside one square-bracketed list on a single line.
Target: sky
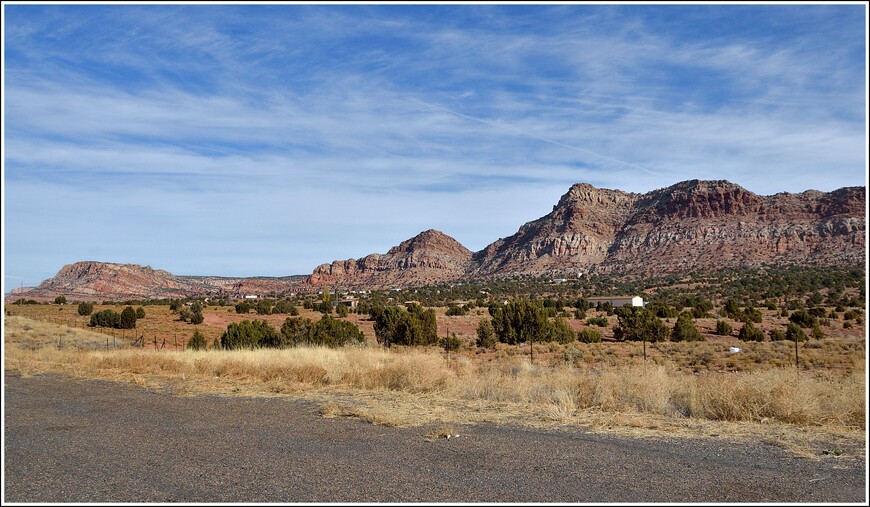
[(264, 140)]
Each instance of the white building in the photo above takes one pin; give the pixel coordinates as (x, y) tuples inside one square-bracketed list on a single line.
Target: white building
[(617, 301)]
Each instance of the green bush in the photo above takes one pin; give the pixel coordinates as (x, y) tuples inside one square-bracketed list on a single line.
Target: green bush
[(244, 307), (60, 300), (85, 308), (413, 326), (600, 321), (776, 335), (284, 306), (589, 335), (803, 318), (749, 333), (248, 335), (197, 341), (561, 332), (196, 318), (685, 330), (637, 323), (296, 331), (140, 313), (127, 319), (450, 343), (264, 307), (455, 310), (341, 310), (105, 318), (486, 334), (723, 328), (794, 333), (331, 332), (520, 321)]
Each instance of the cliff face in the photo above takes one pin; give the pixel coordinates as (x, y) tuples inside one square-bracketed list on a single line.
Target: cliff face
[(693, 225), (429, 257), (577, 234), (704, 225)]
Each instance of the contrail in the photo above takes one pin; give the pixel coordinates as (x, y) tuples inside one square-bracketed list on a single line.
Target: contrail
[(533, 136)]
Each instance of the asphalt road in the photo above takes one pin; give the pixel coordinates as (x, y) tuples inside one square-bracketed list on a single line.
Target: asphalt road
[(89, 441)]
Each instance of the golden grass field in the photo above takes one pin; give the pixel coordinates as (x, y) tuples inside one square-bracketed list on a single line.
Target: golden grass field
[(757, 393)]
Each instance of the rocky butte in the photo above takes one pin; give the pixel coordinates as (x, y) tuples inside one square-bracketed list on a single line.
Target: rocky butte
[(693, 225)]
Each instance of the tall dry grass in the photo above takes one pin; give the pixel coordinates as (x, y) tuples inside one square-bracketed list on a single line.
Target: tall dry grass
[(560, 393)]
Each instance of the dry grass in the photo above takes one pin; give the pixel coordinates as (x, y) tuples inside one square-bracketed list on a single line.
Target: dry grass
[(417, 387)]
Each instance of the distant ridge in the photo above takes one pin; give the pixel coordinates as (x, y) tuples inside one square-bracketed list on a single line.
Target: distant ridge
[(692, 225)]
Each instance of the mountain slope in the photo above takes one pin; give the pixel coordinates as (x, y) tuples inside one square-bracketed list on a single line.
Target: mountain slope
[(429, 257), (691, 225)]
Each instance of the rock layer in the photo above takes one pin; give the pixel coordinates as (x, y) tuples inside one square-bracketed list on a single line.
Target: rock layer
[(693, 225)]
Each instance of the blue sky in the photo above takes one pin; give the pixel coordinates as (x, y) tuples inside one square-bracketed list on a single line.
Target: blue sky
[(245, 140)]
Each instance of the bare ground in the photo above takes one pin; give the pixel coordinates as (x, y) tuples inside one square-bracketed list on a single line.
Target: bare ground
[(68, 440)]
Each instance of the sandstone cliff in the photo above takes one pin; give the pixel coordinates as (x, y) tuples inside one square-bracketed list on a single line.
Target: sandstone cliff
[(693, 225), (429, 257)]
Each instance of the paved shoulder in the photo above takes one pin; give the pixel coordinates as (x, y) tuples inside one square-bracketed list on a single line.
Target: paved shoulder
[(90, 441)]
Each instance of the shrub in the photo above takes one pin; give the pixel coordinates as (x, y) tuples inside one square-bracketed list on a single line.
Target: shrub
[(599, 321), (283, 306), (140, 313), (248, 335), (450, 343), (197, 341), (455, 310), (85, 308), (685, 330), (749, 333), (723, 328), (60, 300), (296, 331), (264, 307), (589, 335), (127, 319), (776, 335), (105, 318), (414, 326), (794, 333), (520, 321), (561, 332), (331, 332), (184, 314), (486, 334), (802, 318), (850, 315), (196, 318), (817, 332), (818, 312), (638, 323), (341, 310), (244, 307), (751, 314)]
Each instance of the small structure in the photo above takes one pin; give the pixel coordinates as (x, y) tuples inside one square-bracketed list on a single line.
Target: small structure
[(349, 302), (250, 296), (617, 301)]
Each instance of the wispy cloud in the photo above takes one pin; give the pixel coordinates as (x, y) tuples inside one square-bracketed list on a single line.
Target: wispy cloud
[(267, 139)]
